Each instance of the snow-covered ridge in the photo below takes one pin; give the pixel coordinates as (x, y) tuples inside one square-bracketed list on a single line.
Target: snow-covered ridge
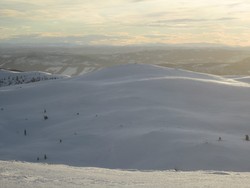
[(129, 117), (8, 78), (139, 72)]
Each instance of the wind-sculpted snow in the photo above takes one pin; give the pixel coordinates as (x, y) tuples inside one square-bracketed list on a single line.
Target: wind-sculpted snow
[(148, 72), (224, 82), (245, 79), (129, 117)]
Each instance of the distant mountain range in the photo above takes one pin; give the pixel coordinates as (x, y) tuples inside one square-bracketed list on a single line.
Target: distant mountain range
[(75, 60)]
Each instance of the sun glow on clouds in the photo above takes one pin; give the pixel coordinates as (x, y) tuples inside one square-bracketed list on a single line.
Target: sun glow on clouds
[(122, 22)]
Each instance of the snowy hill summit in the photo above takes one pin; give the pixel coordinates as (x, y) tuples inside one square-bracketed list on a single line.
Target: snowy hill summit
[(129, 117), (8, 77)]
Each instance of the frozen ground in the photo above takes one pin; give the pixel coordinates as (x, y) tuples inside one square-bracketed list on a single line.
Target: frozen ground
[(28, 175), (129, 117)]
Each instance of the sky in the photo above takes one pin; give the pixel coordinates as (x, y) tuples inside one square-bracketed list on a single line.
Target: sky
[(125, 22)]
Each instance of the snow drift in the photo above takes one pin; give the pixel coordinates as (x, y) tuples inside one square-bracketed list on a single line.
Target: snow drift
[(30, 175), (129, 117)]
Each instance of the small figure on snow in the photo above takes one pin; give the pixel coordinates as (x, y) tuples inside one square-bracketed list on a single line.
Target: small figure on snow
[(45, 117), (247, 138)]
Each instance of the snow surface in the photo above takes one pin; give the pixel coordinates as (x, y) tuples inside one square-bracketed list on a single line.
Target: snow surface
[(243, 79), (70, 71), (129, 117), (27, 175)]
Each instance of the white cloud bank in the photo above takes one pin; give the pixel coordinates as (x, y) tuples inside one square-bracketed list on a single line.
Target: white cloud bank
[(225, 22)]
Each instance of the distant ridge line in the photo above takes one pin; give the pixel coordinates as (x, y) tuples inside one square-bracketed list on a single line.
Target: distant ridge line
[(9, 69)]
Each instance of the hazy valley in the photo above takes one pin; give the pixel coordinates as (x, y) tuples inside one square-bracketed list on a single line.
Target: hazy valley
[(79, 60)]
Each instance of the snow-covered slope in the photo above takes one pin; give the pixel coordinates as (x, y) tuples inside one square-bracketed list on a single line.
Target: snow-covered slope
[(243, 79), (27, 175), (130, 116), (15, 78)]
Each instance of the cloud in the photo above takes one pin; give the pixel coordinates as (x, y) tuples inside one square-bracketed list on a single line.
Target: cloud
[(226, 19), (10, 13), (54, 38), (231, 5), (139, 1), (187, 22), (127, 39), (74, 20)]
